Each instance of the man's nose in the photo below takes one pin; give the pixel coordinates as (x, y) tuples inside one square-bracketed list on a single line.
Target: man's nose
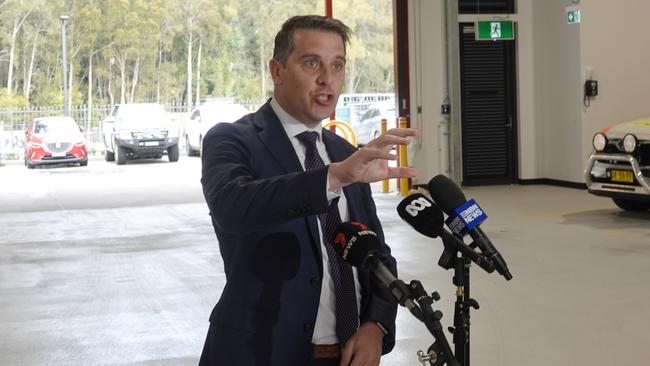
[(324, 76)]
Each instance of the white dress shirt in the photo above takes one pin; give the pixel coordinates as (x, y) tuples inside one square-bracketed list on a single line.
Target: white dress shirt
[(325, 327)]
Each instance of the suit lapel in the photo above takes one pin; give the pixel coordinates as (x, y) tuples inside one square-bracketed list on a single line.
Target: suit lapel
[(272, 135), (275, 139)]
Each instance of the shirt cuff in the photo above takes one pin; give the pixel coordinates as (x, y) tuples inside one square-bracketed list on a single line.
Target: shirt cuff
[(331, 194)]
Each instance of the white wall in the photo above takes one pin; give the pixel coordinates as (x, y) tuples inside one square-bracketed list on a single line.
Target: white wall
[(615, 43), (554, 128), (558, 85), (428, 87)]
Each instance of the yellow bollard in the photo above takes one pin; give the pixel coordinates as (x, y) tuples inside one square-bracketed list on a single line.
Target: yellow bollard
[(403, 161), (385, 184)]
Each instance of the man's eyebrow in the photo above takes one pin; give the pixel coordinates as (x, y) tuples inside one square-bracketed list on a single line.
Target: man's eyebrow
[(313, 55)]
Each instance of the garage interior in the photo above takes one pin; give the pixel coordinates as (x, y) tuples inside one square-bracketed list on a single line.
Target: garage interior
[(130, 278)]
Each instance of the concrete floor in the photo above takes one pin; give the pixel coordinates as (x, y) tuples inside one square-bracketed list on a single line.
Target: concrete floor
[(110, 265)]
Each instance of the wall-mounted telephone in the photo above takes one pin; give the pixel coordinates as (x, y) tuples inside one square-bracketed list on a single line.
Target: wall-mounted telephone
[(591, 88)]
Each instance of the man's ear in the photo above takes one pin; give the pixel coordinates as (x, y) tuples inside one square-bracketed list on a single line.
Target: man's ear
[(275, 67)]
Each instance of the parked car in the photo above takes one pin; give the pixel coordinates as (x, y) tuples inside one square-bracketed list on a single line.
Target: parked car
[(54, 140), (369, 125), (207, 115), (619, 166), (139, 130)]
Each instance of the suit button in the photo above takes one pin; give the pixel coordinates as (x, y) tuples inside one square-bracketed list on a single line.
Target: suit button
[(314, 281), (308, 327)]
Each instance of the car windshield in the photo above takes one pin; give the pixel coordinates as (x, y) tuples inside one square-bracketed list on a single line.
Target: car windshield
[(142, 113), (214, 113), (63, 126)]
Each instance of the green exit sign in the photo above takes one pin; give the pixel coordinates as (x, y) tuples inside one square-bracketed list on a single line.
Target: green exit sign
[(573, 16), (494, 30)]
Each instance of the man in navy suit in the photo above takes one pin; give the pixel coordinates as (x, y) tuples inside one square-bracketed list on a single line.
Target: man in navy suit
[(276, 183)]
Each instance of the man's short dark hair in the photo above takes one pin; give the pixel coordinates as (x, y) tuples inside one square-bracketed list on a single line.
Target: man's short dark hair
[(284, 39)]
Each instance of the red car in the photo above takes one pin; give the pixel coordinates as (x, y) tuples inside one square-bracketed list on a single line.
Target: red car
[(54, 140)]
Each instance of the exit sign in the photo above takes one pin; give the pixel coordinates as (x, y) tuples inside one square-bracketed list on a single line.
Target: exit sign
[(573, 16), (494, 30)]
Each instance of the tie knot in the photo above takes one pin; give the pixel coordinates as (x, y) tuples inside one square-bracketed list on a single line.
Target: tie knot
[(308, 138)]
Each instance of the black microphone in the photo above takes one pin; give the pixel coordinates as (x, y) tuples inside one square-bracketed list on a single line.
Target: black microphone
[(427, 219), (360, 247), (450, 197)]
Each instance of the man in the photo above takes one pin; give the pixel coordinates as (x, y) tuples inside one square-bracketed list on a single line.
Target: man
[(276, 184)]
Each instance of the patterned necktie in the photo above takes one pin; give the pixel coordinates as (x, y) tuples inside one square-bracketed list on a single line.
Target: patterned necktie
[(347, 318)]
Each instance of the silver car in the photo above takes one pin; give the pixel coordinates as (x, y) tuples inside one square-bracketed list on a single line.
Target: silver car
[(369, 125), (619, 166)]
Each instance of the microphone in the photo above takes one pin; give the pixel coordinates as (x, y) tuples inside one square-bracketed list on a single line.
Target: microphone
[(360, 247), (466, 215), (427, 219)]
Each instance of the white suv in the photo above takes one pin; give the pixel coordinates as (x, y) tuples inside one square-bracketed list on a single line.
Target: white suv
[(204, 117), (139, 130)]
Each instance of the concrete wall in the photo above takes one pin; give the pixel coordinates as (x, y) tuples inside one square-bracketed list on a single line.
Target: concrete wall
[(554, 128)]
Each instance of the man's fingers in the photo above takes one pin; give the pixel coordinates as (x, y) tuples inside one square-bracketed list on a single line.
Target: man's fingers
[(370, 154), (346, 355), (403, 132), (403, 172), (389, 140)]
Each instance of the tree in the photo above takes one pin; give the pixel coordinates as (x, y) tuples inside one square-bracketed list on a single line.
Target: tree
[(17, 15)]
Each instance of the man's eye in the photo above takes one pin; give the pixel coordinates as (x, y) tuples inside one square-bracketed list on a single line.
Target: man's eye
[(311, 63), (338, 67)]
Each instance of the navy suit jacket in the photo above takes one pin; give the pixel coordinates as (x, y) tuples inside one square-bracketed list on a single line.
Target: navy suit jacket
[(264, 208)]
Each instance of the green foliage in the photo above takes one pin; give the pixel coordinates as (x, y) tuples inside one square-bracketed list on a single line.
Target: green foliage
[(11, 100), (139, 48)]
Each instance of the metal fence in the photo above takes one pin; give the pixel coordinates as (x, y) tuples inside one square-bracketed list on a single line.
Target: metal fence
[(13, 121)]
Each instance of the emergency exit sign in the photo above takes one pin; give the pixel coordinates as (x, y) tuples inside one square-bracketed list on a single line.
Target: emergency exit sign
[(573, 16), (494, 30)]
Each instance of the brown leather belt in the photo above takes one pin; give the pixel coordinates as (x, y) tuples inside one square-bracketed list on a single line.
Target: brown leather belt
[(326, 351)]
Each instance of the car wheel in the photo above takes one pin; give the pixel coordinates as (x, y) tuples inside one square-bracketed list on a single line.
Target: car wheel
[(631, 205), (110, 156), (29, 165), (84, 163), (172, 153), (188, 148), (120, 155)]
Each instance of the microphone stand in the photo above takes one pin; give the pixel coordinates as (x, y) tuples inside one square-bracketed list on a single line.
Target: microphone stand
[(439, 353), (464, 302)]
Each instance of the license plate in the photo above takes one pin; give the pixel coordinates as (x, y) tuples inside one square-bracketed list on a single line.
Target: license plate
[(58, 154), (622, 176), (151, 143)]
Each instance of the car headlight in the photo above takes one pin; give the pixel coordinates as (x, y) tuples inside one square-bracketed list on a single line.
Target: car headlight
[(629, 143), (124, 134), (599, 141), (34, 145)]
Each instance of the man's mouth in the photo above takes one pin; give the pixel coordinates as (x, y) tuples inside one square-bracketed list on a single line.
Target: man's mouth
[(324, 98)]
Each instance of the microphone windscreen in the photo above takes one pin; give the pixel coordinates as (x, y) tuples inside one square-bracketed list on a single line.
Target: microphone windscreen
[(446, 193), (422, 214), (355, 243), (276, 257)]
